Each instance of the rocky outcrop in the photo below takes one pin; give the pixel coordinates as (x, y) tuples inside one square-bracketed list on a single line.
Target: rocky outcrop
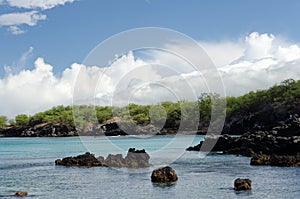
[(164, 175), (111, 128), (222, 143), (134, 159), (86, 160), (276, 160), (276, 145), (242, 184), (40, 130), (137, 159)]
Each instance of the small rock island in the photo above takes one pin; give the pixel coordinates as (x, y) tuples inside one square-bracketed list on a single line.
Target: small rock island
[(134, 159)]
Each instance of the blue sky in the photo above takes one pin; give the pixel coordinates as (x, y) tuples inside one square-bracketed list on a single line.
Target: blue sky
[(72, 30), (253, 44)]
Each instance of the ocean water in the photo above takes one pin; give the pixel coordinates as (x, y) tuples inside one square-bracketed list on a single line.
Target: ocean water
[(27, 164)]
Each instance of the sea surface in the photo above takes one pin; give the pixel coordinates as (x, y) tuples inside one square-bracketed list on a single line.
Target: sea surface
[(27, 164)]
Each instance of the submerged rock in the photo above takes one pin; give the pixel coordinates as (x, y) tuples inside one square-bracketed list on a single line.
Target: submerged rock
[(164, 175), (242, 184), (21, 194), (276, 160), (87, 160)]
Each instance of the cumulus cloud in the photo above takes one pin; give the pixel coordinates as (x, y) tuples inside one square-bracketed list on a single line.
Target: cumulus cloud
[(33, 4), (134, 79), (34, 90), (266, 61)]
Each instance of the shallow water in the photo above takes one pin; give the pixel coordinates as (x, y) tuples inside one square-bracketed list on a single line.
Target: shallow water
[(27, 164)]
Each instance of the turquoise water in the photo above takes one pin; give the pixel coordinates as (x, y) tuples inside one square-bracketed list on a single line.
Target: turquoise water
[(27, 164)]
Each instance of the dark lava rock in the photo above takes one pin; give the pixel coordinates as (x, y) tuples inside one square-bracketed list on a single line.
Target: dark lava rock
[(276, 160), (164, 175), (115, 160), (137, 158), (21, 194), (242, 184), (87, 160), (111, 128), (219, 143), (133, 159), (39, 130)]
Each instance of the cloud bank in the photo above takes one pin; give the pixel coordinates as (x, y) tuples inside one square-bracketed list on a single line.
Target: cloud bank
[(256, 62)]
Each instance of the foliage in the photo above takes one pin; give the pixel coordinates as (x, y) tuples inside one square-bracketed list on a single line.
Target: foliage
[(3, 120), (22, 120)]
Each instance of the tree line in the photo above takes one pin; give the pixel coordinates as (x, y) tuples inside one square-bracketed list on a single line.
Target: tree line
[(286, 94)]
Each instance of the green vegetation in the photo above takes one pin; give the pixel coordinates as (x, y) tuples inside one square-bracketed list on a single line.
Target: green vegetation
[(286, 94), (3, 120)]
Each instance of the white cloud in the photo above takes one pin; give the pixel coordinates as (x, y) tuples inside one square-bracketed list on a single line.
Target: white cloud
[(134, 79), (16, 19), (266, 61), (35, 90), (15, 30), (33, 4), (20, 18), (256, 62)]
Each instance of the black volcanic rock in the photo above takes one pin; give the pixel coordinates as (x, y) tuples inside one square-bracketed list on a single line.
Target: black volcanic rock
[(164, 175), (242, 184), (87, 160), (40, 130), (277, 147), (133, 159)]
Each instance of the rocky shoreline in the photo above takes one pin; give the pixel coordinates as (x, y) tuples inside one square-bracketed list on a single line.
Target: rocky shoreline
[(63, 130), (277, 147)]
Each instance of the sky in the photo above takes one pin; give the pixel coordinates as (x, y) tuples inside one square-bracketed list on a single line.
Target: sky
[(43, 45)]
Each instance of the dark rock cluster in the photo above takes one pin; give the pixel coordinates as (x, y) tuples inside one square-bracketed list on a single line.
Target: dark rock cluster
[(277, 147), (87, 160), (134, 159)]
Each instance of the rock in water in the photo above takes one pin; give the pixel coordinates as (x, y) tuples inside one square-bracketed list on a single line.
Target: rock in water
[(164, 175), (242, 184), (137, 158), (115, 160), (87, 160), (133, 159), (276, 160), (21, 194)]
